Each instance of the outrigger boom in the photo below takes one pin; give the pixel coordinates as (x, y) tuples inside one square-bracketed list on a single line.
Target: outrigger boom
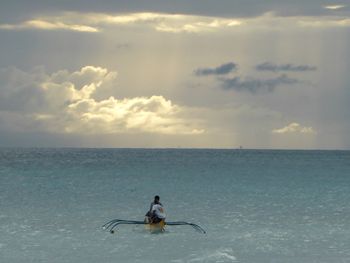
[(111, 225)]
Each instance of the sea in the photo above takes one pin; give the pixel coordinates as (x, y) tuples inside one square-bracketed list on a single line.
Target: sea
[(255, 205)]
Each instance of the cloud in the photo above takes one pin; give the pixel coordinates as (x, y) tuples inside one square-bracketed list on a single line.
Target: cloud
[(267, 66), (173, 23), (65, 102), (294, 128), (36, 91), (254, 85), (324, 23), (96, 22), (141, 114), (251, 84), (220, 70), (333, 7), (49, 25), (198, 24)]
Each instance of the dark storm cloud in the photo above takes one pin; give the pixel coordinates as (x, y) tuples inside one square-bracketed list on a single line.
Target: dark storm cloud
[(253, 85), (220, 70), (267, 66)]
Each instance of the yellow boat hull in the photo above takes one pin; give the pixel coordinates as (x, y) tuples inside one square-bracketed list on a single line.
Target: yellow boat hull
[(157, 227)]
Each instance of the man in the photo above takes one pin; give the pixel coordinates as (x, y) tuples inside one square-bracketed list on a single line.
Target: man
[(156, 212), (155, 202)]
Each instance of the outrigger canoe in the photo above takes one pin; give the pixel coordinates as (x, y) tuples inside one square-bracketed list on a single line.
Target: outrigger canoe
[(158, 227)]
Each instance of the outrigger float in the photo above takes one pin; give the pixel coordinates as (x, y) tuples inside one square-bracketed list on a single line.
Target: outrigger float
[(157, 227)]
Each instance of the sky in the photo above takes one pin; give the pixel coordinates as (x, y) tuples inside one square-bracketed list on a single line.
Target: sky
[(175, 74)]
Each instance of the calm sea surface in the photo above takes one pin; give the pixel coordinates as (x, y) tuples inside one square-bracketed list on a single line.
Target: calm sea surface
[(256, 205)]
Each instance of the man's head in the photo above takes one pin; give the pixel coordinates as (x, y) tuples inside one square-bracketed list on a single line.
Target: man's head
[(156, 199)]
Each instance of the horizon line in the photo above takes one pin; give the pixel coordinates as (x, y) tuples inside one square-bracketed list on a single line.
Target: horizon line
[(173, 148)]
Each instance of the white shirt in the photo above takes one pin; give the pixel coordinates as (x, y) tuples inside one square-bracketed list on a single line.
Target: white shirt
[(159, 211)]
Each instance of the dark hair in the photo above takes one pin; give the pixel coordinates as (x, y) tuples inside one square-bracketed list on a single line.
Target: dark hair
[(156, 197)]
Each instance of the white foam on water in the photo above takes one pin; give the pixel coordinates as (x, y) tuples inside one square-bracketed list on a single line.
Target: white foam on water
[(220, 255)]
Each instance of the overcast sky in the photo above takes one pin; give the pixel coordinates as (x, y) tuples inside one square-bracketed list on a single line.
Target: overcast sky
[(188, 73)]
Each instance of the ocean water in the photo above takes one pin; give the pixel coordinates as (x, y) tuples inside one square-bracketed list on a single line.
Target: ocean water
[(256, 205)]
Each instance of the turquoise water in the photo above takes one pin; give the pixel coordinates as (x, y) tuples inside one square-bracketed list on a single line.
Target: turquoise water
[(256, 206)]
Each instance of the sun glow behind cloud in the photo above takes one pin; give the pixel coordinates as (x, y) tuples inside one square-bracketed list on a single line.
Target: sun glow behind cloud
[(95, 22), (171, 23), (140, 114), (49, 25), (333, 7)]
